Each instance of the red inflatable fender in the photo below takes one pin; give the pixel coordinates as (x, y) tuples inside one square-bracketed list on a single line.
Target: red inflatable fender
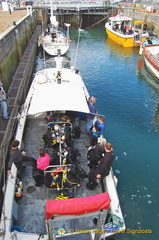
[(77, 206)]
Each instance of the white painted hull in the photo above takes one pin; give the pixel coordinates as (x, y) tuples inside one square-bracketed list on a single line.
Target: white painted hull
[(151, 68), (52, 46), (52, 49), (145, 43), (52, 42), (151, 58)]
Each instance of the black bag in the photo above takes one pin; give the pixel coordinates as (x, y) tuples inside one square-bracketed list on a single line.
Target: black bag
[(73, 153), (92, 158), (46, 139), (38, 177), (94, 155)]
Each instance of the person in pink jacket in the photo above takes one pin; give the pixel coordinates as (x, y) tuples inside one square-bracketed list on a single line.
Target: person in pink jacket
[(43, 160)]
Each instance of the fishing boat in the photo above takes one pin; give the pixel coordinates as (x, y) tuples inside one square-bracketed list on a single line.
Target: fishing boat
[(62, 206), (55, 38), (120, 30), (151, 58)]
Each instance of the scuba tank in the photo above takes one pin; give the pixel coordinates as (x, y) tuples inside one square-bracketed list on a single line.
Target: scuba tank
[(64, 161), (63, 138), (54, 140), (64, 156), (18, 188), (20, 185)]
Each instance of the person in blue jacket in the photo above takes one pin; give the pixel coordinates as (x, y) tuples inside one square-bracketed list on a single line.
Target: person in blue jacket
[(90, 116), (99, 125), (97, 130), (3, 101)]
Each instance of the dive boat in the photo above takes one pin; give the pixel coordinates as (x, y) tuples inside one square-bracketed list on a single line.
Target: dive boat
[(54, 39), (151, 58), (62, 206), (120, 30)]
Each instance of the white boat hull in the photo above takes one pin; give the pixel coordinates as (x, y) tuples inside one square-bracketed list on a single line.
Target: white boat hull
[(151, 58), (52, 49), (151, 68), (47, 93)]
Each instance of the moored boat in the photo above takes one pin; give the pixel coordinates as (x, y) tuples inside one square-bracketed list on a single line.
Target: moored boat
[(120, 30), (54, 39), (148, 41), (37, 215), (151, 58)]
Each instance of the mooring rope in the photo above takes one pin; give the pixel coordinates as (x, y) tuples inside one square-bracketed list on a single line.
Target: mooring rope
[(77, 43)]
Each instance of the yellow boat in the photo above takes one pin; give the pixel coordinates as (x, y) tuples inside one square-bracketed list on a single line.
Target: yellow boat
[(121, 31)]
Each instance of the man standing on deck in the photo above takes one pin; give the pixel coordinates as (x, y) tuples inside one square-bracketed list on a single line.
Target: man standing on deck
[(103, 168), (18, 158)]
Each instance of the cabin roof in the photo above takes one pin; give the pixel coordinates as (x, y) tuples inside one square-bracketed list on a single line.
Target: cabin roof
[(120, 18), (53, 96)]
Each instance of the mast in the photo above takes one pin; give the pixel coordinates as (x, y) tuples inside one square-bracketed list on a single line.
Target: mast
[(51, 7)]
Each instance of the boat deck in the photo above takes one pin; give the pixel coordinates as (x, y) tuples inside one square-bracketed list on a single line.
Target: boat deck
[(31, 212)]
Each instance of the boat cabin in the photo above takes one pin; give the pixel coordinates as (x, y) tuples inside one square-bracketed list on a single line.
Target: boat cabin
[(120, 23)]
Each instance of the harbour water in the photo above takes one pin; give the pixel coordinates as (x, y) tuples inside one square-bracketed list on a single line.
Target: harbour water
[(128, 96)]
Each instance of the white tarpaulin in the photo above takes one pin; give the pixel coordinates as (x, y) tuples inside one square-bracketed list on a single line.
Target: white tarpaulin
[(54, 97)]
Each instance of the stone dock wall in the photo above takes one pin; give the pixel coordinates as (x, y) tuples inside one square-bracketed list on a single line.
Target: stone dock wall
[(142, 16), (13, 43)]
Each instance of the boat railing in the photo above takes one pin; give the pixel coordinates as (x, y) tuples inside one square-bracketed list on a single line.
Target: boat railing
[(59, 178), (116, 217)]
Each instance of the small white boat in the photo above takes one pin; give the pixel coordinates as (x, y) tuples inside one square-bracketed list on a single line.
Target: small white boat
[(148, 41), (120, 30), (54, 39), (151, 58), (36, 215)]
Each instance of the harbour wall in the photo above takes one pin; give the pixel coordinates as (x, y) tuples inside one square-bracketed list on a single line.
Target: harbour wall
[(92, 17), (79, 17), (142, 16), (13, 43)]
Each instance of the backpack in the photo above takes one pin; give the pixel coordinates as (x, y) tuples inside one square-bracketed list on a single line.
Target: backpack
[(94, 155)]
